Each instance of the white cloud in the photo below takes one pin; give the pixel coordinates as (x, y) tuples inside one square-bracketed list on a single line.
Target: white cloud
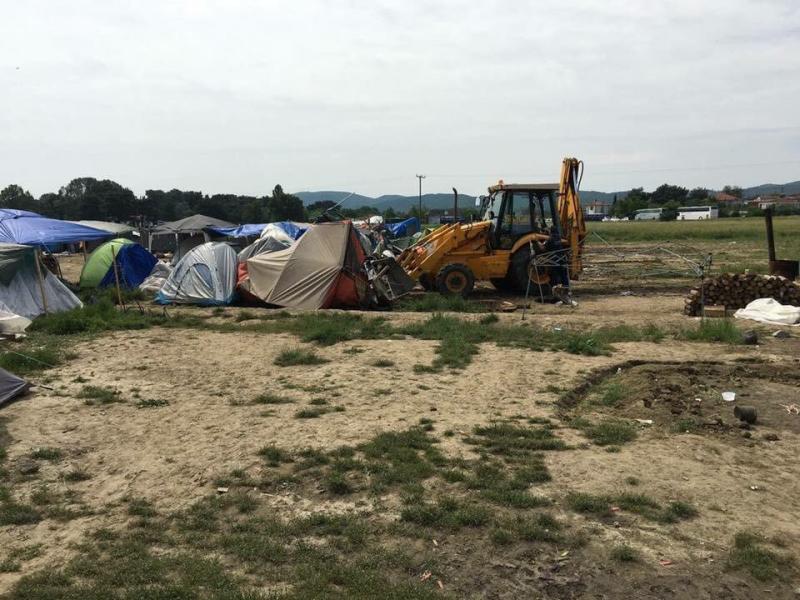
[(235, 96)]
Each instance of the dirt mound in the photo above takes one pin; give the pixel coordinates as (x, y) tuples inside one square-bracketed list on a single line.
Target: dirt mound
[(688, 396)]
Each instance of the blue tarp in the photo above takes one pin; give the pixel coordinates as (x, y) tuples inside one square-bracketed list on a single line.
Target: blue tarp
[(32, 229), (134, 264), (408, 227), (246, 230), (293, 230)]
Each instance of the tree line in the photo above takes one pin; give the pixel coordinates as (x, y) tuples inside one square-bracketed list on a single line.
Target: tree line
[(87, 198)]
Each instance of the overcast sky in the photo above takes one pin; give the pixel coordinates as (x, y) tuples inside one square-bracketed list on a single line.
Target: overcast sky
[(238, 95)]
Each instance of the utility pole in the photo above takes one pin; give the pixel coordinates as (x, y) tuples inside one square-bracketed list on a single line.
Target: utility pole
[(420, 177)]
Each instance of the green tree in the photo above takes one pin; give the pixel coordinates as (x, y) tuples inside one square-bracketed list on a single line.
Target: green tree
[(670, 211), (733, 190), (13, 196), (284, 207), (634, 200), (88, 198), (698, 194), (665, 194)]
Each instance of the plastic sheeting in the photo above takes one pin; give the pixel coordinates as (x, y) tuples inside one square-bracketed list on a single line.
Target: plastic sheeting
[(205, 276), (242, 231), (404, 228), (11, 324), (274, 237), (769, 310), (158, 276), (32, 229), (20, 292), (11, 386)]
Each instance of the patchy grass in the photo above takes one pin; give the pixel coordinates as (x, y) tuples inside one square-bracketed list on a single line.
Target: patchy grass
[(35, 354), (433, 302), (624, 553), (713, 330), (76, 475), (608, 433), (311, 413), (151, 403), (611, 394), (274, 455), (299, 356), (507, 439), (382, 363), (269, 398), (49, 454), (750, 553), (640, 504), (94, 394)]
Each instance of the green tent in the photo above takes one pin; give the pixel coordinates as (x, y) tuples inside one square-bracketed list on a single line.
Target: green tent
[(100, 262)]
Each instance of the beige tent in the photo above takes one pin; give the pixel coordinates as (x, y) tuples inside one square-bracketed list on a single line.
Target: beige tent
[(322, 269)]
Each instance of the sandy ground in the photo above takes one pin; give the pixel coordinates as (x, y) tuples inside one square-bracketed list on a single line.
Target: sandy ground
[(171, 455)]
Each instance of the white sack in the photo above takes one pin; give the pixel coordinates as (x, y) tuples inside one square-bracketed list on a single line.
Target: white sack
[(769, 310)]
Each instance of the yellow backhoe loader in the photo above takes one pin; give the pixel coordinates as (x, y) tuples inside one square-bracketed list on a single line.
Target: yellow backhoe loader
[(529, 238)]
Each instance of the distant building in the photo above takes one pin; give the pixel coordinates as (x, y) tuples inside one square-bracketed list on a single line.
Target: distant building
[(774, 200), (697, 213), (727, 199)]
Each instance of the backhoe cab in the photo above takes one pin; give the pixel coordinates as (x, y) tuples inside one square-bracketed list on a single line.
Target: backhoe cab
[(529, 237)]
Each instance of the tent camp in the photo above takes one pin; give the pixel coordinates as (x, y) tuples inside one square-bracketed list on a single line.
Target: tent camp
[(22, 292), (11, 386), (134, 264), (30, 228), (187, 233), (205, 276), (274, 236), (322, 270)]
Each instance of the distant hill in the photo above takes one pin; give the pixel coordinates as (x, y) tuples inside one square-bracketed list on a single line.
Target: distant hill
[(793, 187), (442, 201)]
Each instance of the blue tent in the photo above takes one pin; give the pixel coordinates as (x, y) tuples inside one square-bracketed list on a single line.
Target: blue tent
[(408, 227), (293, 230), (32, 229), (134, 264)]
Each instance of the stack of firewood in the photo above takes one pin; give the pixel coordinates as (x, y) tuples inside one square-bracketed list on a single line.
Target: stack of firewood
[(737, 290)]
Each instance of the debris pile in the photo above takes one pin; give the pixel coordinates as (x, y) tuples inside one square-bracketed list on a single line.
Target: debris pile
[(737, 290)]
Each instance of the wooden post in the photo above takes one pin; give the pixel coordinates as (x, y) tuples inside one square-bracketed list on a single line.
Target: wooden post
[(770, 234), (116, 278), (40, 277)]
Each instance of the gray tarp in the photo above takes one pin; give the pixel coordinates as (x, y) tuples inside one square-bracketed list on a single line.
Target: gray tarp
[(11, 386), (188, 232), (20, 292)]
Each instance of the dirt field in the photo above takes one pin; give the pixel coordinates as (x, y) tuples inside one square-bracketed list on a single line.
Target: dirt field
[(172, 456)]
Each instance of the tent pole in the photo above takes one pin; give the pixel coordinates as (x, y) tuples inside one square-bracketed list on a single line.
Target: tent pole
[(83, 246), (40, 277), (116, 279)]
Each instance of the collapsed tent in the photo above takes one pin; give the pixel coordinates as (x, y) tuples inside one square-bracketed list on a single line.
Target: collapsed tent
[(205, 276), (133, 264), (274, 236), (189, 233), (11, 386), (30, 228), (27, 288), (322, 270)]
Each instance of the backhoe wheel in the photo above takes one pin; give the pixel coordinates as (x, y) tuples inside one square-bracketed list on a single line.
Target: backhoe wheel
[(426, 281), (455, 280), (522, 273)]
